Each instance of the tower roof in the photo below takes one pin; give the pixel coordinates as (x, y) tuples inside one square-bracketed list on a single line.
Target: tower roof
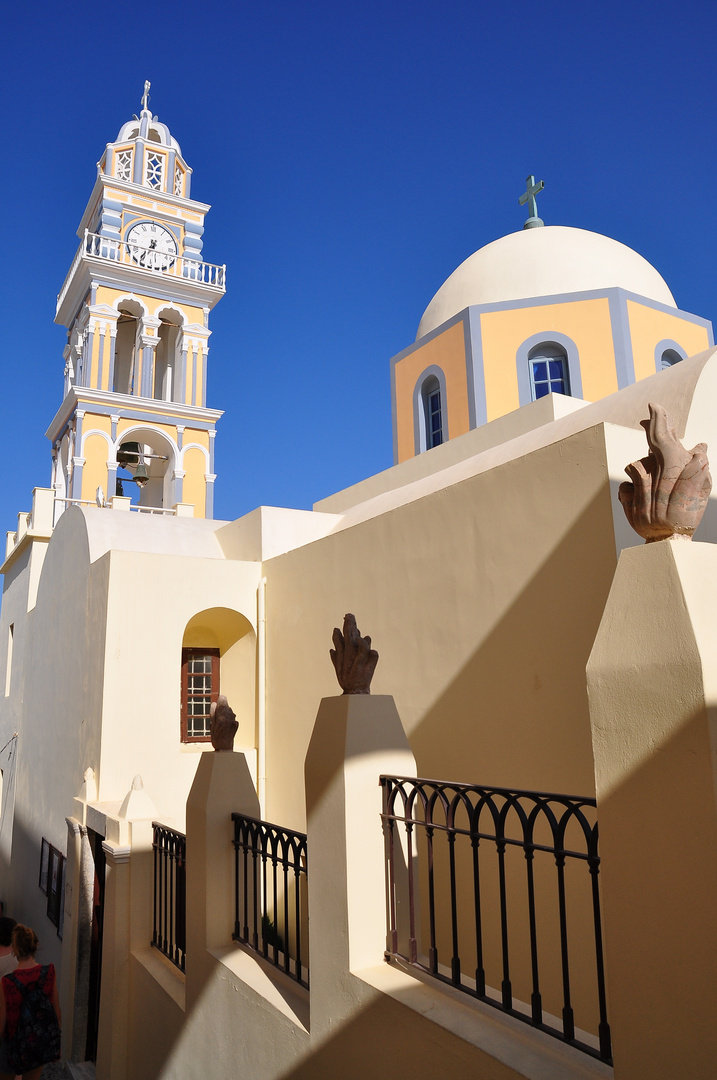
[(550, 261), (145, 126)]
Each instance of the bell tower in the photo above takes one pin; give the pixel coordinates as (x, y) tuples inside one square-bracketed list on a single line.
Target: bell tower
[(136, 304)]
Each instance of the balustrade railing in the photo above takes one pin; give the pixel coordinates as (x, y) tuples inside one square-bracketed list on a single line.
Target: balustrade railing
[(271, 894), (152, 260), (170, 893), (494, 888)]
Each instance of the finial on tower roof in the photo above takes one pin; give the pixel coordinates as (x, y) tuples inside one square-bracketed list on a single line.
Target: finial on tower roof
[(528, 197), (145, 96)]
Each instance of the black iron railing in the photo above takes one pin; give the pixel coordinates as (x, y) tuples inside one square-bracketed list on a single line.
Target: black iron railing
[(270, 894), (170, 893), (490, 881)]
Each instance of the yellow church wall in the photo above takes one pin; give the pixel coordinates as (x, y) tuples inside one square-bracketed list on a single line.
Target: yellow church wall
[(167, 429), (194, 486), (446, 351), (649, 326), (94, 472), (108, 295), (191, 313), (587, 322), (97, 422), (192, 435)]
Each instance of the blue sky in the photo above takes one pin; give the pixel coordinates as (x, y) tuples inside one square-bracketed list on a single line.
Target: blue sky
[(354, 154)]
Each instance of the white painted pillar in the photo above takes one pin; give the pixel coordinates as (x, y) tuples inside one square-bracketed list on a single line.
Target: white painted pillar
[(356, 737), (652, 681)]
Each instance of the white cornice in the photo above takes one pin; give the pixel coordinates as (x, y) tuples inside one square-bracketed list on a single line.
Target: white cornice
[(121, 404), (135, 279), (104, 181)]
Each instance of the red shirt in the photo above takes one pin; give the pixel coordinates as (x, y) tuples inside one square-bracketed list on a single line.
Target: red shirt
[(13, 997)]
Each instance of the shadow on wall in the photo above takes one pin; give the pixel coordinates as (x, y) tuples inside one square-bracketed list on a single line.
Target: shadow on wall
[(388, 1039), (519, 708), (659, 879)]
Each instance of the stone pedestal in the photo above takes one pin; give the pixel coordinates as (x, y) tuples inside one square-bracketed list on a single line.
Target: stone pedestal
[(355, 739), (222, 786)]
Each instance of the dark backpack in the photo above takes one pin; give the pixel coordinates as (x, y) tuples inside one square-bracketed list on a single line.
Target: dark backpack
[(37, 1035)]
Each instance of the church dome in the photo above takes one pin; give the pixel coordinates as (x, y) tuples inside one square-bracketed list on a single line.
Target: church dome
[(546, 261)]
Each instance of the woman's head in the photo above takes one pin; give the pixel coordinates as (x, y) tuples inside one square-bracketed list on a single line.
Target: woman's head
[(24, 942)]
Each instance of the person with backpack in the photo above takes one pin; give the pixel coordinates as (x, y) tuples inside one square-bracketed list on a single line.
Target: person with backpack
[(29, 1012)]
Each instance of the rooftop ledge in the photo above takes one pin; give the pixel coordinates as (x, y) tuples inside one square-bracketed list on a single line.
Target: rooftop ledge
[(37, 524)]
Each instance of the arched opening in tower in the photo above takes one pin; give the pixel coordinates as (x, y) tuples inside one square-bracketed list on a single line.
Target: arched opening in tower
[(126, 346)]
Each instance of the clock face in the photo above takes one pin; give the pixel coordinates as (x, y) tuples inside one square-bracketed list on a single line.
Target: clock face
[(151, 245)]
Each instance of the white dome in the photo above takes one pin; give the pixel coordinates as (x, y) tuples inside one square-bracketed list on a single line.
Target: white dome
[(545, 261)]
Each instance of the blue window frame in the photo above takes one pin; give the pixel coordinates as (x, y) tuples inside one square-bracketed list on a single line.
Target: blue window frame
[(433, 412), (548, 371), (669, 358)]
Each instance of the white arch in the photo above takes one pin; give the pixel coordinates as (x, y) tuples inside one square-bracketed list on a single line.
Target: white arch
[(105, 436), (195, 446), (169, 305), (147, 435), (134, 299)]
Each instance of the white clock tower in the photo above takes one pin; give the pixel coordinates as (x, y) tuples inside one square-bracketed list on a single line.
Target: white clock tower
[(136, 304)]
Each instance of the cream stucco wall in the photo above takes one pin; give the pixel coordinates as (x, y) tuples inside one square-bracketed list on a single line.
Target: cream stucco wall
[(482, 648), (482, 584)]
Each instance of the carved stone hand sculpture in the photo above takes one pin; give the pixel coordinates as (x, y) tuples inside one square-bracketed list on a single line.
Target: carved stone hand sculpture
[(670, 487), (354, 659), (223, 724)]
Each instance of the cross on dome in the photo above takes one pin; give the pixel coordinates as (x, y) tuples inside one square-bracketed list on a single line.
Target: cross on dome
[(528, 197)]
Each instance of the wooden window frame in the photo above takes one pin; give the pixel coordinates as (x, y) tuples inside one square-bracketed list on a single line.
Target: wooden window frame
[(187, 653), (44, 865), (52, 883)]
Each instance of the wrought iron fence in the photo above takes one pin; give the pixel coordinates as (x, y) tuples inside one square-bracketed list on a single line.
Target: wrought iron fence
[(270, 894), (170, 893), (500, 873)]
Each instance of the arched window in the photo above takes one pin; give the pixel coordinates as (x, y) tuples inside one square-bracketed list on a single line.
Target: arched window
[(218, 655), (668, 353), (668, 358), (432, 412), (548, 364)]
